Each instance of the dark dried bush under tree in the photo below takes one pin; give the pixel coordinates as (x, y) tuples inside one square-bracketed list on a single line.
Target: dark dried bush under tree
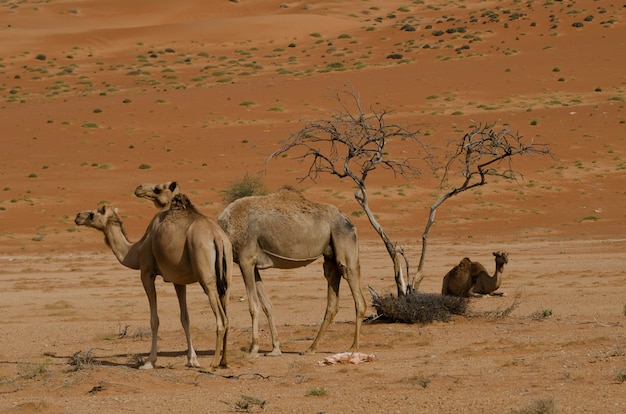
[(417, 307)]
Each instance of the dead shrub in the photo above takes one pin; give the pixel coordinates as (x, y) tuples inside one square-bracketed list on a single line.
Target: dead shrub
[(418, 307)]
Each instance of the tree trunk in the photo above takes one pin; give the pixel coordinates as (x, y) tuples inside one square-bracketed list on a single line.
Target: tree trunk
[(361, 198)]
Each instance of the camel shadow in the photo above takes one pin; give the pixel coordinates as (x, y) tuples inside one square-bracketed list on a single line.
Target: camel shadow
[(130, 360)]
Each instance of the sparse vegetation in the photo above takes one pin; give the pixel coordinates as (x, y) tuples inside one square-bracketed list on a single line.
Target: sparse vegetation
[(540, 406), (247, 403), (81, 360), (589, 218), (542, 314), (421, 379), (247, 186), (316, 392), (26, 370)]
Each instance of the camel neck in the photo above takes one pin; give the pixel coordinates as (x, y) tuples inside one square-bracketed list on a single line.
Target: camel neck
[(123, 249)]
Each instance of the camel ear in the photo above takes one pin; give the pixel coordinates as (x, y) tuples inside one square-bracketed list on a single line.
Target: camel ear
[(115, 210), (173, 186), (102, 210)]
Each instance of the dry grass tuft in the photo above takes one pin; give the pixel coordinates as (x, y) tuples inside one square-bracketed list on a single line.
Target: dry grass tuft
[(540, 406), (81, 360)]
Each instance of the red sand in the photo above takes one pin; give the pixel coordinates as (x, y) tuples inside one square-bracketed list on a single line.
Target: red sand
[(202, 92)]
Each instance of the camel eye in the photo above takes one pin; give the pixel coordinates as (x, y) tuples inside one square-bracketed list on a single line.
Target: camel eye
[(157, 190), (91, 215)]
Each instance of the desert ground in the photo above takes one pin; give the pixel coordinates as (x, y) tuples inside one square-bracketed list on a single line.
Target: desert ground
[(100, 96)]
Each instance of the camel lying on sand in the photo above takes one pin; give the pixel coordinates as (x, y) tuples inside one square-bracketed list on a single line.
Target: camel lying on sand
[(472, 279), (284, 230), (184, 247)]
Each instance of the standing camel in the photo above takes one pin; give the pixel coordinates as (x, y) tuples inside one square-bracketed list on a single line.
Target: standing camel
[(216, 259), (284, 230), (472, 279)]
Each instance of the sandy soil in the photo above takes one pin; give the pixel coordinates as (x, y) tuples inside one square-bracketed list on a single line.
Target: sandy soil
[(97, 97)]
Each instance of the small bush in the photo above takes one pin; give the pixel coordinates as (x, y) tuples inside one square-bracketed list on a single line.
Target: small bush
[(81, 360), (246, 403), (247, 186), (540, 406), (144, 166), (542, 314), (29, 371), (419, 307), (316, 392)]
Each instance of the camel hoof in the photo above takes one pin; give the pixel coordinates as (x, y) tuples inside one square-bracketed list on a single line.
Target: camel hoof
[(193, 364), (252, 355), (147, 365), (275, 352)]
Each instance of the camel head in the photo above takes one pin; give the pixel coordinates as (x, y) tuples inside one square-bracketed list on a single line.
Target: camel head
[(502, 258), (96, 219), (160, 194)]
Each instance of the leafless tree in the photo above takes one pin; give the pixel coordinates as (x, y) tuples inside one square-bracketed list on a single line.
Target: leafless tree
[(481, 153), (352, 144)]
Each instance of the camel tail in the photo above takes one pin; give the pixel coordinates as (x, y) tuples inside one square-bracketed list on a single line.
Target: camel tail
[(221, 269)]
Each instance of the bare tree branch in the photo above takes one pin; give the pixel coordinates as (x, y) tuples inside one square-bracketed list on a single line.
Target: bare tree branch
[(481, 153), (352, 144)]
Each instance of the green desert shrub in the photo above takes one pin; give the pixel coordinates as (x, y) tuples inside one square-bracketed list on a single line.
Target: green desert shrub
[(247, 186)]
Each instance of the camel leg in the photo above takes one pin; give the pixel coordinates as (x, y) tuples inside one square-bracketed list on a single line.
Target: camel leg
[(221, 325), (473, 294), (353, 278), (224, 307), (181, 293), (266, 305), (147, 279), (247, 271), (333, 277)]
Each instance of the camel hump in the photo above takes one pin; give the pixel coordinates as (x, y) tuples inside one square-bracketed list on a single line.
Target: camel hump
[(466, 263), (289, 192), (182, 202)]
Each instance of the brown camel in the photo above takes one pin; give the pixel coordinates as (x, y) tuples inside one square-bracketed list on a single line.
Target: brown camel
[(472, 279), (285, 230), (212, 266)]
